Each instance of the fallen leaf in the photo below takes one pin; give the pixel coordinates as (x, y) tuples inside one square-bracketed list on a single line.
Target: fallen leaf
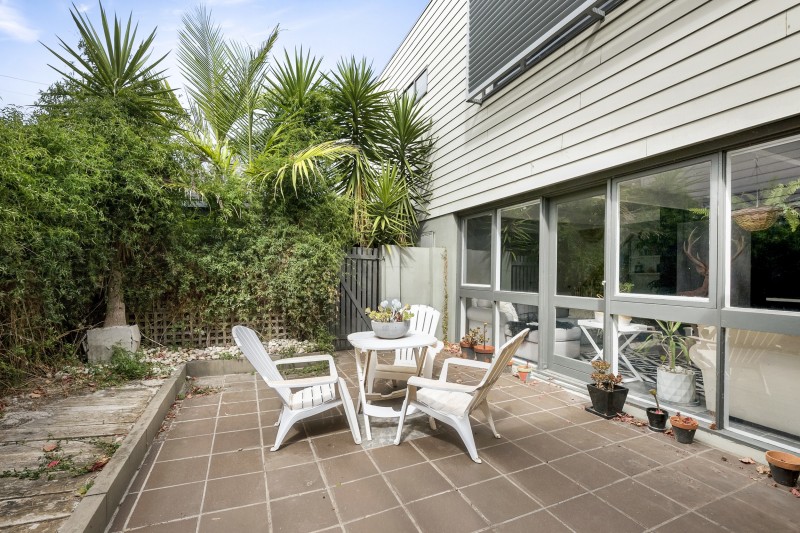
[(712, 426), (99, 464), (52, 464), (724, 458), (796, 492), (49, 447), (761, 469), (747, 460), (34, 395)]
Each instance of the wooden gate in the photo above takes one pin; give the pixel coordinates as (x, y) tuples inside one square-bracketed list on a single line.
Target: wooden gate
[(358, 289)]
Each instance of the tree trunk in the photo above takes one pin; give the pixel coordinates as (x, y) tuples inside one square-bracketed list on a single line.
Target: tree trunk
[(115, 306)]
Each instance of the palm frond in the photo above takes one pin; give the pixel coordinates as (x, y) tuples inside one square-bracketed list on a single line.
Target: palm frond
[(113, 66), (303, 166)]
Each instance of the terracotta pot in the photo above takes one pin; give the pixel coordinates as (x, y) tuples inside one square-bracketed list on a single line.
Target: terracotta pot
[(679, 422), (522, 373), (484, 351), (466, 350), (683, 430), (784, 467)]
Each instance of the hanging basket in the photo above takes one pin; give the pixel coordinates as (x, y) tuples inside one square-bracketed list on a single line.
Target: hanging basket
[(756, 218)]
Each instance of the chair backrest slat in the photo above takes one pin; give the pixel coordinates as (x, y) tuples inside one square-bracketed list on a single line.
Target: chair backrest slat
[(500, 362), (253, 349), (425, 321)]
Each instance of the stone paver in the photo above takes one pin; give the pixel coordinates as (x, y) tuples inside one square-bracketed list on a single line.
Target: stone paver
[(554, 469)]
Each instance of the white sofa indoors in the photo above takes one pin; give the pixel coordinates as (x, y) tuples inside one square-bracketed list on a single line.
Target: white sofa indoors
[(764, 372)]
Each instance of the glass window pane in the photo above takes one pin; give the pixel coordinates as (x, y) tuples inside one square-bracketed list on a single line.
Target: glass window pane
[(765, 243), (421, 85), (478, 248), (581, 232), (763, 372), (677, 359), (664, 220), (480, 325), (519, 246)]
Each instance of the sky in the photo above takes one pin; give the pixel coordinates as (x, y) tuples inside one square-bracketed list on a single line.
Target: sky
[(329, 28)]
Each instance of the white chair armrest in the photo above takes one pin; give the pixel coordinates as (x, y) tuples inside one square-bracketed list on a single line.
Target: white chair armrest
[(301, 383), (439, 385), (457, 361), (305, 359)]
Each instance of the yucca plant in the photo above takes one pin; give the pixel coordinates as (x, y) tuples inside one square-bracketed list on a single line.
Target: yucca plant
[(114, 66)]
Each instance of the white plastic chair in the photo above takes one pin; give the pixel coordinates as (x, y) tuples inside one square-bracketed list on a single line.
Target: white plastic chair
[(315, 395), (452, 403), (425, 321)]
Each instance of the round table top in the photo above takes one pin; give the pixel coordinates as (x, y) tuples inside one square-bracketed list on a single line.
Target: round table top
[(366, 340)]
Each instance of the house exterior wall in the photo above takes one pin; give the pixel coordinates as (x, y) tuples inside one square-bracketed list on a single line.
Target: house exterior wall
[(651, 79)]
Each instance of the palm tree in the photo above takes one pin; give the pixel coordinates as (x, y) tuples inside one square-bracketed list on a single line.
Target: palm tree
[(113, 68), (242, 121), (406, 141), (110, 67)]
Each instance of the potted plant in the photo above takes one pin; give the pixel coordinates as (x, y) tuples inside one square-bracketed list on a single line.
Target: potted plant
[(469, 341), (452, 349), (390, 321), (523, 372), (607, 395), (656, 416), (675, 383), (784, 467), (483, 350), (683, 427), (759, 211)]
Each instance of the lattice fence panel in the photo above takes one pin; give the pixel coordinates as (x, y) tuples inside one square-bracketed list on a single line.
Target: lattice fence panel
[(190, 331)]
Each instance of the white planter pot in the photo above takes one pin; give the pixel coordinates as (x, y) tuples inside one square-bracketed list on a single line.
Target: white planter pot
[(675, 387), (599, 316), (624, 320), (390, 330)]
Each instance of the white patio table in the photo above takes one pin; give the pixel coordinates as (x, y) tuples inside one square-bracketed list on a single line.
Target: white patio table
[(367, 346), (627, 332)]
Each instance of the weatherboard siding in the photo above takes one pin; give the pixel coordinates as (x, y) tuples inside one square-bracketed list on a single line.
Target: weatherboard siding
[(654, 77)]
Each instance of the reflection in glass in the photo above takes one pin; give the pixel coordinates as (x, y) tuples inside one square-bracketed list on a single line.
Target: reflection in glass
[(677, 359), (581, 230), (516, 317), (664, 222), (478, 248), (763, 372), (765, 243), (569, 341), (519, 245)]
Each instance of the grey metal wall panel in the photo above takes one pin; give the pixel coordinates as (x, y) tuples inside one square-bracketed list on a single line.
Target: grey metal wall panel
[(505, 32)]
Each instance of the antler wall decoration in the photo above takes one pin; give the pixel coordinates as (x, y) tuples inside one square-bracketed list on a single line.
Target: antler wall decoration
[(702, 266)]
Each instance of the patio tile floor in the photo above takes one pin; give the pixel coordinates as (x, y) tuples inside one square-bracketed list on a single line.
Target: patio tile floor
[(556, 468)]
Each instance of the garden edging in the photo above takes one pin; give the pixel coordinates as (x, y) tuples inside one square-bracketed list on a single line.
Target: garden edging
[(96, 509)]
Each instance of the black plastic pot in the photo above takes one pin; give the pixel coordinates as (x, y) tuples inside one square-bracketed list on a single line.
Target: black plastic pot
[(784, 467), (657, 421), (782, 476), (606, 403), (684, 436)]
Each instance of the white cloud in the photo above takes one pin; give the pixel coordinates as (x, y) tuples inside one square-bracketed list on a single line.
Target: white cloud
[(14, 25)]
